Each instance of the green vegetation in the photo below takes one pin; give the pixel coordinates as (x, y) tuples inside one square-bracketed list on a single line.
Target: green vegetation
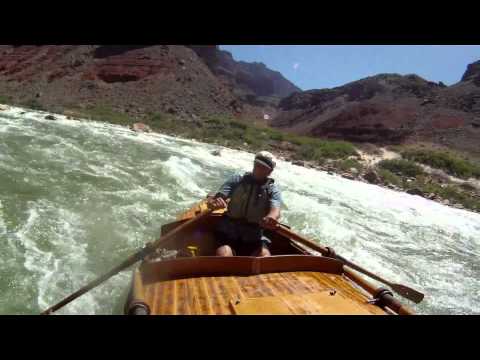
[(390, 177), (401, 167), (33, 104), (107, 114), (277, 136), (348, 164), (231, 132), (221, 130), (335, 149), (450, 192), (395, 172), (319, 150), (451, 164), (4, 99)]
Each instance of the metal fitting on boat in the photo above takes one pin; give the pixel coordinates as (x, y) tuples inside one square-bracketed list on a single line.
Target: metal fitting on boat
[(331, 252), (379, 296), (138, 308), (147, 249)]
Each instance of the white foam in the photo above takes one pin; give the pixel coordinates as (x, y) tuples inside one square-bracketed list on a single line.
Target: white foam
[(185, 171), (66, 261), (3, 227)]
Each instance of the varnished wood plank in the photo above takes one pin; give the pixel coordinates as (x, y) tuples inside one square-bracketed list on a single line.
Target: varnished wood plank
[(226, 293), (199, 304), (161, 306), (182, 298), (264, 286), (249, 286), (236, 286), (320, 303), (262, 306), (307, 282), (213, 295), (281, 287), (206, 298), (268, 283), (155, 297), (298, 287), (148, 296), (222, 296), (347, 291)]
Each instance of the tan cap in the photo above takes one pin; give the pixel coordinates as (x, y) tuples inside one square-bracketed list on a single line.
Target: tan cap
[(266, 159)]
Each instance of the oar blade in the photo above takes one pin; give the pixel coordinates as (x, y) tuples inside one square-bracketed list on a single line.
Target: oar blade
[(408, 293)]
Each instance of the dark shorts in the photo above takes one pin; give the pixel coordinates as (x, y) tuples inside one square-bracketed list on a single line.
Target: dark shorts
[(244, 238)]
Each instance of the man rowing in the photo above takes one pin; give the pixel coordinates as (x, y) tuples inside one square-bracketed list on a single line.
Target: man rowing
[(255, 201)]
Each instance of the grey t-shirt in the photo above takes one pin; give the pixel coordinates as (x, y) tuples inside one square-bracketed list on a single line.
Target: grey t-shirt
[(227, 188)]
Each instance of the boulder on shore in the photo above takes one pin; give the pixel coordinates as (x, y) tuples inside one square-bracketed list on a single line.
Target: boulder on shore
[(415, 191), (468, 186), (285, 145), (141, 127), (372, 177), (299, 163)]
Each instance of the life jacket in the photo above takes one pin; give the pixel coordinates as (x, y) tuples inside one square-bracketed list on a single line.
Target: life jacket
[(250, 201)]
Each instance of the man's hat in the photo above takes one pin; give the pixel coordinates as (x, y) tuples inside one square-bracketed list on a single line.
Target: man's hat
[(266, 159)]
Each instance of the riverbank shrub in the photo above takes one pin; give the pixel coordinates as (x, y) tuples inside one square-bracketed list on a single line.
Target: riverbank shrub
[(401, 167), (33, 104), (451, 164), (348, 164), (4, 99), (390, 177), (452, 193)]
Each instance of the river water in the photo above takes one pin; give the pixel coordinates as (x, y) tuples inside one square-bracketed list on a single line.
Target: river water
[(77, 197)]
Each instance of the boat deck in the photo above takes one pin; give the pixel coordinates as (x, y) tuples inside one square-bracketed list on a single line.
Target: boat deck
[(296, 293), (295, 280), (244, 285)]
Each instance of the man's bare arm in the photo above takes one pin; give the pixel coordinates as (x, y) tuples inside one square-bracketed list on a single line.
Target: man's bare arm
[(270, 221), (274, 213)]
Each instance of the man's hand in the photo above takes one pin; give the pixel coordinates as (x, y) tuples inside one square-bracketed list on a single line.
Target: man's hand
[(269, 222), (216, 203)]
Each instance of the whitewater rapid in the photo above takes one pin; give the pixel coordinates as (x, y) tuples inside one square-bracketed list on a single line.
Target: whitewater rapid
[(77, 197)]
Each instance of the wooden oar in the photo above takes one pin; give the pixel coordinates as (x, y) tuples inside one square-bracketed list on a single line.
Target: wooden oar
[(138, 256), (405, 291)]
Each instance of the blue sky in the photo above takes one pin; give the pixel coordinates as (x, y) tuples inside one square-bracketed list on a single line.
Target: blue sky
[(326, 66)]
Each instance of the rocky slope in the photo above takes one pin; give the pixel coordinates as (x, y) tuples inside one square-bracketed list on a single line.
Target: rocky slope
[(136, 79), (253, 82), (389, 109), (195, 82)]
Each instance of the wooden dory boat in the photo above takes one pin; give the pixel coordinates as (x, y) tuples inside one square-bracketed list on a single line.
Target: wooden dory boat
[(295, 280)]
